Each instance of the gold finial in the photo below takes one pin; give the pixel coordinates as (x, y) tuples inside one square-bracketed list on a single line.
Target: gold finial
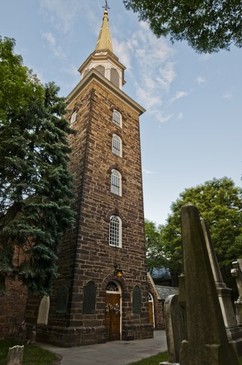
[(104, 39)]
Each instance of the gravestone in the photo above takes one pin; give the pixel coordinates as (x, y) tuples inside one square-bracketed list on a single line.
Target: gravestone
[(22, 331), (43, 313), (175, 327), (15, 355), (207, 341), (234, 332), (33, 335), (237, 273)]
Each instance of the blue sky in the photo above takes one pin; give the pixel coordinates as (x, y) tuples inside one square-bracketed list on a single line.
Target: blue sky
[(192, 129)]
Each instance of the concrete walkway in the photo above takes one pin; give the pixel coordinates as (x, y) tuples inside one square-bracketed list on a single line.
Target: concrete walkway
[(116, 352)]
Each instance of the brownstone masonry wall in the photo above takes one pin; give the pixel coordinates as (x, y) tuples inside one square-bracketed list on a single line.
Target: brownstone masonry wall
[(85, 254), (12, 308)]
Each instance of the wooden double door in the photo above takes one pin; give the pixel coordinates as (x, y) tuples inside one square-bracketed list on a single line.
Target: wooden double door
[(112, 316)]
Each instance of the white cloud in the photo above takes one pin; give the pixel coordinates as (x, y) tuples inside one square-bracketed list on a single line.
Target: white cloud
[(167, 75), (228, 95), (204, 57), (180, 116), (160, 116), (57, 51), (147, 172), (63, 13), (123, 52), (148, 59), (179, 95), (200, 80), (145, 97), (153, 67)]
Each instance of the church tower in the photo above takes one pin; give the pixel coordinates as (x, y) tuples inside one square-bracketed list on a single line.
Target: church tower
[(101, 293)]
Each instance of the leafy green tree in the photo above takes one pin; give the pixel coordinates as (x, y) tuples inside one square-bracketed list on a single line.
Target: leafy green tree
[(154, 253), (35, 185), (207, 25), (219, 202), (17, 81)]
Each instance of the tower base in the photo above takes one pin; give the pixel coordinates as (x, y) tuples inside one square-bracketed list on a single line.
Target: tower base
[(81, 336)]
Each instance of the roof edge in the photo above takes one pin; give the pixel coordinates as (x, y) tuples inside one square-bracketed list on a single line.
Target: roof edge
[(94, 74)]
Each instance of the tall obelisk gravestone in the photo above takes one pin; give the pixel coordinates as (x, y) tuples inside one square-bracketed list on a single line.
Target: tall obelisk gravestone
[(207, 342), (234, 332)]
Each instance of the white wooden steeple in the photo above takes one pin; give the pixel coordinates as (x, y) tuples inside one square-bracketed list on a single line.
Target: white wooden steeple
[(103, 59)]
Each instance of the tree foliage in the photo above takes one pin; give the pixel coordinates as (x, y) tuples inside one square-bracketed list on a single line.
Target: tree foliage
[(154, 252), (35, 185), (17, 81), (207, 25), (219, 202)]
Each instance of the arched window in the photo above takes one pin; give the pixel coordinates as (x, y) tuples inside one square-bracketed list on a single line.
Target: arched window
[(116, 182), (112, 287), (89, 300), (62, 299), (117, 118), (101, 69), (73, 117), (115, 231), (114, 77), (117, 145), (136, 300), (151, 309)]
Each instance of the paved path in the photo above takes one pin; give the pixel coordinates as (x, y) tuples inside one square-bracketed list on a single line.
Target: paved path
[(116, 352)]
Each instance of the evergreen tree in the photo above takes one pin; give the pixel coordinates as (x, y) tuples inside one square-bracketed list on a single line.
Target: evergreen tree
[(35, 185)]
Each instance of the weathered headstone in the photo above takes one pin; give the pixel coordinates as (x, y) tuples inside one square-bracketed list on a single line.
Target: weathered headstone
[(33, 335), (234, 332), (22, 331), (175, 326), (15, 355), (207, 341), (43, 313), (237, 273)]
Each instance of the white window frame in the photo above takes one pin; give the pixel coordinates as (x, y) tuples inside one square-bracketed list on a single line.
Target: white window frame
[(73, 117), (117, 118), (116, 182), (115, 231), (117, 145)]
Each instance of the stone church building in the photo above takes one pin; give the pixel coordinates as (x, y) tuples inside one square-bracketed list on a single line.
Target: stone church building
[(102, 292)]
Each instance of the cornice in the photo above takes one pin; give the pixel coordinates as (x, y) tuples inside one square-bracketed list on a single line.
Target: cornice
[(94, 75)]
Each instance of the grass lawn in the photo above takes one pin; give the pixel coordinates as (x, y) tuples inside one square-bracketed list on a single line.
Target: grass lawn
[(32, 354), (155, 360)]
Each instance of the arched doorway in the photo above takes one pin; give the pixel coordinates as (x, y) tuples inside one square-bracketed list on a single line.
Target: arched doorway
[(113, 311), (151, 310)]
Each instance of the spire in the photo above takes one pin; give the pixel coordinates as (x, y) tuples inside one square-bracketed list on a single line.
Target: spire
[(104, 39), (103, 60)]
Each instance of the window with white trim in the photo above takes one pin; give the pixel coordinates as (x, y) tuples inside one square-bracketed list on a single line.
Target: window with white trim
[(101, 69), (116, 182), (114, 77), (117, 118), (73, 117), (115, 231), (116, 145)]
